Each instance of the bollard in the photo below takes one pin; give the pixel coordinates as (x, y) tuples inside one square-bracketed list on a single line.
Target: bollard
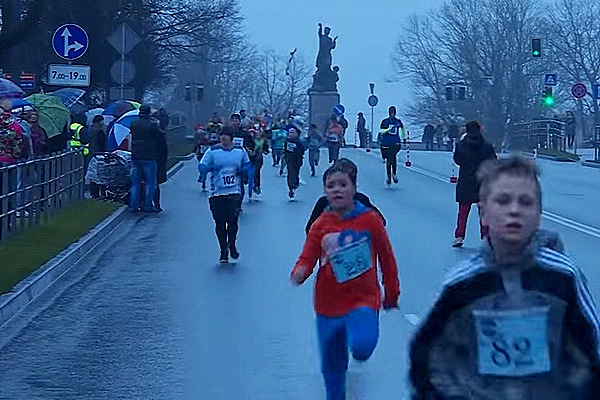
[(535, 153), (407, 162)]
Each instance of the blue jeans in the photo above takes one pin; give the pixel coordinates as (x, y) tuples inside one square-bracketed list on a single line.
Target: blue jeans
[(142, 170), (359, 330)]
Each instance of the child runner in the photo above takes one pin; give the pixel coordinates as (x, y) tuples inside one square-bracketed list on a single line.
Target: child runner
[(391, 136), (202, 144), (314, 144), (516, 321), (348, 240), (261, 147), (322, 203), (278, 137), (294, 155), (226, 164)]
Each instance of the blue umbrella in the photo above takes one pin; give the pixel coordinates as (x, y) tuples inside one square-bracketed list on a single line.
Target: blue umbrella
[(120, 129), (20, 103), (69, 96), (10, 90)]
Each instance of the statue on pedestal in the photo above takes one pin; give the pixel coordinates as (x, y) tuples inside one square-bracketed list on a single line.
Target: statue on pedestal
[(325, 78)]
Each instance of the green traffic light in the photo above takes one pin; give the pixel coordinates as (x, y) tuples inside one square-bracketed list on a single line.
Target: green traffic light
[(549, 101), (536, 53)]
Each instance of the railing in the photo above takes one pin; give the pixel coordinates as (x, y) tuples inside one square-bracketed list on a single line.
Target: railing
[(36, 189), (540, 134)]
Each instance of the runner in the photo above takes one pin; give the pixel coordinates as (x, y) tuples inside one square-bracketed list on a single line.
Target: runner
[(314, 142), (516, 321), (294, 156), (261, 147), (321, 204), (348, 239), (392, 134), (227, 164), (202, 144)]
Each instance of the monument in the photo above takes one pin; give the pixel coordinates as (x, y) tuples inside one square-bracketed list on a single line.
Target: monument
[(323, 94)]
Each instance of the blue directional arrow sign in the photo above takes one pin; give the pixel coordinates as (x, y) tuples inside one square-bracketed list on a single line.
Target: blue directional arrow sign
[(550, 79), (596, 91), (70, 41)]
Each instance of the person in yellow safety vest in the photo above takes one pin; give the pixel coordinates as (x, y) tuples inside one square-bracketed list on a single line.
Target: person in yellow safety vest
[(75, 142)]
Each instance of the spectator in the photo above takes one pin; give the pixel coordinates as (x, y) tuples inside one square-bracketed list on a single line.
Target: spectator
[(470, 152), (144, 136), (162, 153), (362, 130), (428, 135), (39, 138), (11, 139), (163, 119)]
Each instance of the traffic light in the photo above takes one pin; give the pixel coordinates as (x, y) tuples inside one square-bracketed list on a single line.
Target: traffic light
[(536, 47), (548, 97), (188, 93), (461, 93), (199, 93)]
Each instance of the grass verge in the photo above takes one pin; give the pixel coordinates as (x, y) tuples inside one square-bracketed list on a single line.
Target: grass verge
[(22, 254)]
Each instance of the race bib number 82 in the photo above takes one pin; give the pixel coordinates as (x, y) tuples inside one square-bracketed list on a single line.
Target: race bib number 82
[(513, 343)]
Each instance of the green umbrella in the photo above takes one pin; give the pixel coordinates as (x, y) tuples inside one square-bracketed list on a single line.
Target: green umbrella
[(52, 113)]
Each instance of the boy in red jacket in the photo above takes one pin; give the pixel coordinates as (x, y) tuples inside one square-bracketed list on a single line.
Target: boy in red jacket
[(347, 239)]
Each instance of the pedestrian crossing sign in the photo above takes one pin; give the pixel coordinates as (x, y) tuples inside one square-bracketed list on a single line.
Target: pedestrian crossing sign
[(550, 79)]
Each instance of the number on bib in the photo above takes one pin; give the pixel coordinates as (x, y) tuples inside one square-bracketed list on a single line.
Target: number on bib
[(513, 343), (228, 180)]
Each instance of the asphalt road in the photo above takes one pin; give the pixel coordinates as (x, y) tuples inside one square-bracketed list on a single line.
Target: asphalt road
[(156, 317)]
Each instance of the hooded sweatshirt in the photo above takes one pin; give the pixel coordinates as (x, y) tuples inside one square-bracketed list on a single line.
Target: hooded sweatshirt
[(348, 248), (470, 152)]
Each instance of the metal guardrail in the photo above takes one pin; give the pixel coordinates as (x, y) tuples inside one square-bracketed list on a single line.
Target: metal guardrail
[(38, 188), (539, 134)]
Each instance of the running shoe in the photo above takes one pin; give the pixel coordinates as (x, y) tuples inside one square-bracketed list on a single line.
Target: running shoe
[(388, 181), (291, 194), (233, 252), (395, 178), (224, 258), (458, 242)]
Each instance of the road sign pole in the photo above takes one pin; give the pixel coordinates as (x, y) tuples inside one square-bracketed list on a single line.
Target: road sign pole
[(123, 61)]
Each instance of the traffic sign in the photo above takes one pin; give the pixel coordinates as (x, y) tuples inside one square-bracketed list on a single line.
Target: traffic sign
[(26, 80), (69, 75), (122, 71), (596, 91), (123, 39), (373, 100), (550, 79), (578, 90), (70, 41)]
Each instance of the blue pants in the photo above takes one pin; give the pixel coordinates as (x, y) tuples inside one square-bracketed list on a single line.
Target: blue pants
[(359, 330), (146, 170)]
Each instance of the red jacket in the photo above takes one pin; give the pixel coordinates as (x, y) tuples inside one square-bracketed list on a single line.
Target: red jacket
[(329, 238)]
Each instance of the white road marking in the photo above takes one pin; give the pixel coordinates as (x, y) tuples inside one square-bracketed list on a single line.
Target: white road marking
[(412, 318)]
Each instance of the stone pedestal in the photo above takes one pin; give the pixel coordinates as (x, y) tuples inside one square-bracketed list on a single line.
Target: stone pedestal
[(320, 108)]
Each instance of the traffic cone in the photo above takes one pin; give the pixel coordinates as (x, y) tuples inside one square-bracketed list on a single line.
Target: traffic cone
[(407, 162)]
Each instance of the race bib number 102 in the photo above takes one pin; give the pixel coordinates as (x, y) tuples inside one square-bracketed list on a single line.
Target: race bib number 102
[(513, 343)]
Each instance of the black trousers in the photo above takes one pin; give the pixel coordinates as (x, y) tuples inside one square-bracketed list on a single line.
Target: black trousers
[(390, 155), (225, 211)]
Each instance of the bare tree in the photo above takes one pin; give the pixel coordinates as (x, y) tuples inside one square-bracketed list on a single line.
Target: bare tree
[(574, 45)]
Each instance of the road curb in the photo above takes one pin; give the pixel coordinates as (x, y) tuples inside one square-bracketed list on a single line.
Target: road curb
[(591, 164), (51, 272)]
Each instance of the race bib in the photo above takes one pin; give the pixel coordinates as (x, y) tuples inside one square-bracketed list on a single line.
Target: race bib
[(227, 178), (238, 142), (352, 260), (513, 343), (291, 147)]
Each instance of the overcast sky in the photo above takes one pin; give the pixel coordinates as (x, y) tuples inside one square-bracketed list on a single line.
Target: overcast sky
[(367, 33)]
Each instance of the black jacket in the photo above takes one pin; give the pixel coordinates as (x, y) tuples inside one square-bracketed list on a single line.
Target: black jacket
[(470, 152), (162, 151), (144, 136)]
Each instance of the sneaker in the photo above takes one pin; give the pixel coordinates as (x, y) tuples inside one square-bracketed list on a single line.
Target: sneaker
[(203, 185), (291, 194), (233, 252), (388, 181), (280, 172), (395, 178), (257, 190), (224, 258), (458, 242)]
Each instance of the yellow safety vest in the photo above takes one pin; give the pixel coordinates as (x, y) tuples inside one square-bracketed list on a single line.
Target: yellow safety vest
[(75, 141)]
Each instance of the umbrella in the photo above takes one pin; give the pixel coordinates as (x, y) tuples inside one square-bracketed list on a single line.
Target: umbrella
[(90, 114), (52, 112), (69, 96), (120, 129), (20, 103), (120, 107), (9, 89)]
